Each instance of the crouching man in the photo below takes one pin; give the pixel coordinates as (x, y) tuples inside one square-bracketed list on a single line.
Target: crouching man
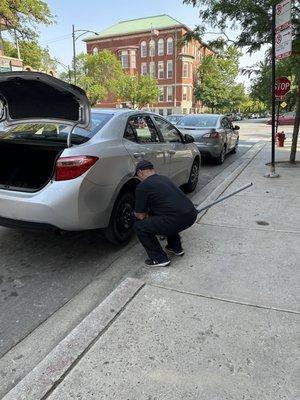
[(161, 208)]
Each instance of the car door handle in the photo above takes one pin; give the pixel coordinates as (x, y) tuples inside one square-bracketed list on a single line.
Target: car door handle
[(137, 155), (172, 151)]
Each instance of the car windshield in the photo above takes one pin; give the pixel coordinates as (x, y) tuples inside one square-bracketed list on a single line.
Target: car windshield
[(174, 119), (199, 121), (54, 132)]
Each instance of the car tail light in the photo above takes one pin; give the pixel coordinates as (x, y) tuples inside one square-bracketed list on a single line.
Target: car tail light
[(214, 135), (72, 167)]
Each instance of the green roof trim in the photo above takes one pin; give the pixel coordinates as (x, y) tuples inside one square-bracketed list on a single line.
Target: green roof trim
[(138, 25)]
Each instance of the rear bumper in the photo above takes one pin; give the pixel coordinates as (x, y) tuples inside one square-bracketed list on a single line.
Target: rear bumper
[(209, 150), (28, 225), (72, 205)]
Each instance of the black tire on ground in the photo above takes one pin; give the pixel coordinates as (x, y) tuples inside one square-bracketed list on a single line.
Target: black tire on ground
[(219, 160), (120, 228), (191, 185), (235, 149)]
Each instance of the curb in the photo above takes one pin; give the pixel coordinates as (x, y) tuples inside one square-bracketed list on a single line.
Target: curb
[(227, 180), (43, 379)]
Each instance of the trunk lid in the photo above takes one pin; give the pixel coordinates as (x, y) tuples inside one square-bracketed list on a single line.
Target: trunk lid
[(37, 97), (197, 133)]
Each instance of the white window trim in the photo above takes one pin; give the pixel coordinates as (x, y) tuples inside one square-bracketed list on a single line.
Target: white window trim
[(170, 40), (144, 64), (162, 93), (172, 93), (159, 43), (183, 69), (152, 47), (143, 45), (170, 62), (152, 63), (163, 69)]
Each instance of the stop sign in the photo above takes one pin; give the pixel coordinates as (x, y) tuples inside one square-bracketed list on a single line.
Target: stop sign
[(282, 86)]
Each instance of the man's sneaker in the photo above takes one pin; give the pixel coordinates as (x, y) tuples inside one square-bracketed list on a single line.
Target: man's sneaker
[(153, 263), (179, 252)]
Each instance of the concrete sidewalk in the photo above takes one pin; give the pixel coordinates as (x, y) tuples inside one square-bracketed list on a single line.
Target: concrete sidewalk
[(220, 323)]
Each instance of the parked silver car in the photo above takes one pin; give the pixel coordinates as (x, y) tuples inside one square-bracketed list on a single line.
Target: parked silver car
[(214, 134), (174, 118), (66, 167)]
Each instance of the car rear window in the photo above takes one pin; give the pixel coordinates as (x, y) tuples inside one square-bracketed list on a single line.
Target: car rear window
[(199, 121), (55, 132)]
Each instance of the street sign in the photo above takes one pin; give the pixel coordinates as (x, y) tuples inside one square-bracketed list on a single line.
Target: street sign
[(282, 87), (283, 15), (283, 104), (283, 45)]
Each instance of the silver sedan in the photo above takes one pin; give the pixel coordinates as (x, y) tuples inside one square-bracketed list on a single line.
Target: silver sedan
[(64, 166), (214, 134)]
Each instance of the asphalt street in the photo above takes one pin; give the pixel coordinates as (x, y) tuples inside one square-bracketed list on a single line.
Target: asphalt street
[(41, 272)]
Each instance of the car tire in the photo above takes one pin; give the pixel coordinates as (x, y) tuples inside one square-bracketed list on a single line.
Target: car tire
[(191, 185), (221, 158), (120, 228), (235, 149)]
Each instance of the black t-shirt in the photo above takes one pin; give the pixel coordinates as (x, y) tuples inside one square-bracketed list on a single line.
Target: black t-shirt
[(158, 195)]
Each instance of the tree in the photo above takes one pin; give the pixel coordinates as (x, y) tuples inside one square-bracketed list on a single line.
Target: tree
[(138, 90), (32, 54), (23, 16), (97, 74), (253, 19), (217, 88)]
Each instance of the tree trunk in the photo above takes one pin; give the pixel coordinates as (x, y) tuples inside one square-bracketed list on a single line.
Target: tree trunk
[(296, 126)]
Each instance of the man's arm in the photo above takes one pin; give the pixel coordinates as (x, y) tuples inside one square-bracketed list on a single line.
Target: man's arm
[(141, 209)]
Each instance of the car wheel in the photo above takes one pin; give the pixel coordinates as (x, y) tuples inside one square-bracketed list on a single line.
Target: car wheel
[(191, 185), (235, 149), (120, 227), (221, 158)]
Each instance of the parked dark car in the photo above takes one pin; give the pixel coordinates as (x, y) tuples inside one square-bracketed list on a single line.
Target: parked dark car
[(285, 119)]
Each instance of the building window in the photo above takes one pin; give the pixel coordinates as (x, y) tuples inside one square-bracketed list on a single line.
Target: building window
[(170, 45), (170, 69), (160, 70), (185, 69), (144, 69), (160, 47), (152, 48), (144, 49), (169, 93), (184, 110), (161, 111), (124, 59), (184, 92), (161, 96), (133, 59), (169, 111), (152, 69), (95, 50)]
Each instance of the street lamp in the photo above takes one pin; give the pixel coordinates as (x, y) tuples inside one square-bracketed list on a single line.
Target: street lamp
[(83, 31), (67, 68)]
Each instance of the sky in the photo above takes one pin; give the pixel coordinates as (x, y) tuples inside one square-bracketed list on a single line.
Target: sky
[(96, 15)]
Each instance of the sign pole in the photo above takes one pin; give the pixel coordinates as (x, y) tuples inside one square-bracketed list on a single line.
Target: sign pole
[(272, 173)]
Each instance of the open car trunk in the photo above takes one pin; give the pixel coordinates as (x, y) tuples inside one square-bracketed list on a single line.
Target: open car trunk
[(25, 166)]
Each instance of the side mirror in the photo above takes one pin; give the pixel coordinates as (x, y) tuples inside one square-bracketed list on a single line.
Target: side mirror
[(188, 138), (236, 127)]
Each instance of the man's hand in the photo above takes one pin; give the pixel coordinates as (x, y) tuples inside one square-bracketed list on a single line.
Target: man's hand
[(140, 216)]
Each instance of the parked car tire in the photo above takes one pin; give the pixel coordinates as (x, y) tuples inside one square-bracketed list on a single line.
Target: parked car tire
[(191, 185), (221, 158), (235, 149), (120, 227)]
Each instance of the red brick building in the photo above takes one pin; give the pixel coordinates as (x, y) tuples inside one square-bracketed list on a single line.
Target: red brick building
[(149, 46)]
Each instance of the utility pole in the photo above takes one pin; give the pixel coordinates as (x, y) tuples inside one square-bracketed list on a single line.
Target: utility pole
[(74, 53), (175, 68), (272, 173)]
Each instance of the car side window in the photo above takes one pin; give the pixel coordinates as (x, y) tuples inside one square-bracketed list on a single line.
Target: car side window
[(169, 132), (141, 130), (225, 123)]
